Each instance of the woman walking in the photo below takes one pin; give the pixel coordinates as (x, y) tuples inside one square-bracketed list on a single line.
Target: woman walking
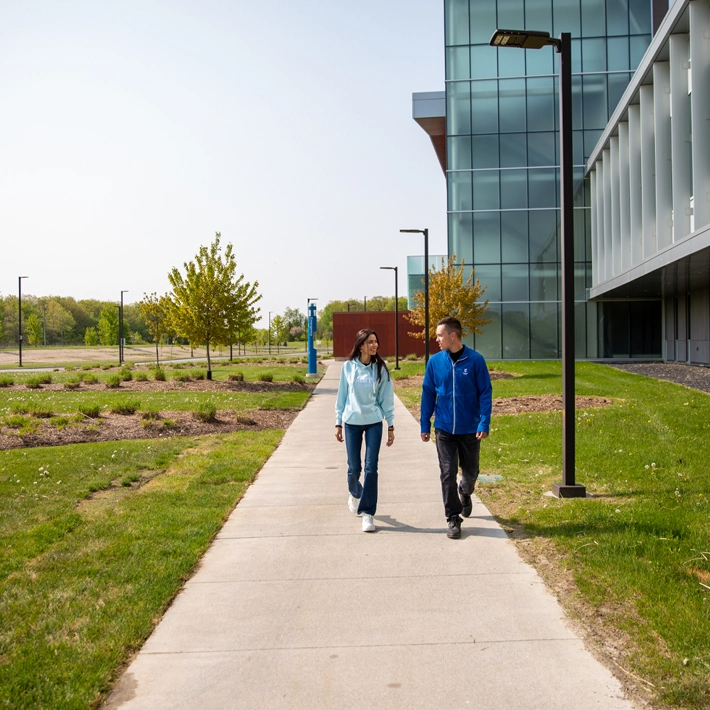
[(365, 398)]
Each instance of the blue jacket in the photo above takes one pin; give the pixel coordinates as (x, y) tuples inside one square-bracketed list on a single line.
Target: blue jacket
[(459, 394), (361, 398)]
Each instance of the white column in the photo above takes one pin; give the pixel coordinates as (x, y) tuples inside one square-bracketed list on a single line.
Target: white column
[(614, 206), (594, 236), (635, 210), (624, 199), (648, 170), (608, 244), (680, 135), (662, 133), (700, 68)]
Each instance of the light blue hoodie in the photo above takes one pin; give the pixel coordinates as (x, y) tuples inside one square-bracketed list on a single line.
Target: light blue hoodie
[(361, 398)]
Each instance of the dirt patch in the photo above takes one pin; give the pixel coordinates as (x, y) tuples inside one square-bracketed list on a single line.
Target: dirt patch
[(416, 380), (114, 427), (543, 403)]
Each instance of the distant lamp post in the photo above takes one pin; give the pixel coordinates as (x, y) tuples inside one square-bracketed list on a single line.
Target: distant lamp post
[(120, 331), (425, 232), (19, 314), (528, 39), (270, 312), (396, 315)]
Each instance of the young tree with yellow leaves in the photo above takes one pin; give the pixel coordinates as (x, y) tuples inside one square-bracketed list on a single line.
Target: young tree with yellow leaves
[(450, 296), (154, 310)]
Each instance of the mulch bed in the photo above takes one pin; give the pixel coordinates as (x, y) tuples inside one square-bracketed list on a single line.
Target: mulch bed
[(689, 375)]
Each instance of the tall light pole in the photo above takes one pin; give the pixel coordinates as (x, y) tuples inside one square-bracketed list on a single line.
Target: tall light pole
[(425, 232), (528, 39), (396, 316), (19, 313), (120, 331)]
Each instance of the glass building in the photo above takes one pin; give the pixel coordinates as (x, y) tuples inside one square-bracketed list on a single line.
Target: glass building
[(502, 158)]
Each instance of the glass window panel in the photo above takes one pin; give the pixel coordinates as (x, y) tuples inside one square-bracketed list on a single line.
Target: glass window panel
[(513, 150), (544, 278), (637, 48), (538, 15), (617, 49), (484, 63), (617, 18), (457, 63), (539, 62), (486, 240), (591, 138), (484, 98), (617, 86), (489, 276), (577, 103), (483, 22), (459, 149), (456, 21), (543, 331), (593, 18), (513, 189), (510, 14), (515, 282), (485, 151), (511, 63), (578, 192), (514, 236), (458, 110), (542, 188), (578, 157), (580, 237), (543, 235), (580, 329), (595, 101), (461, 236), (485, 190), (511, 94), (594, 55), (580, 293), (576, 56), (541, 104), (566, 17), (488, 342), (542, 149), (516, 331), (588, 235), (639, 17), (460, 196)]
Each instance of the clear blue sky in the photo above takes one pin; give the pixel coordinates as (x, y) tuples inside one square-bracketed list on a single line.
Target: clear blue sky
[(132, 131)]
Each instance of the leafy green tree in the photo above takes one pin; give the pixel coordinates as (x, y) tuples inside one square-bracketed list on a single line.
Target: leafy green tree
[(155, 311), (108, 325), (91, 337), (294, 319), (451, 296), (208, 303), (58, 320), (34, 329)]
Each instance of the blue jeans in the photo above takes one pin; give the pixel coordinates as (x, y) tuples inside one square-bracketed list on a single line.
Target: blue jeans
[(367, 492)]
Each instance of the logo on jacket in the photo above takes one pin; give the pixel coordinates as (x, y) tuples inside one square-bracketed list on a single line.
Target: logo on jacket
[(465, 371)]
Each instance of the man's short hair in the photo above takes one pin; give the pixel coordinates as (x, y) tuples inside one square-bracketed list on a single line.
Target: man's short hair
[(452, 325)]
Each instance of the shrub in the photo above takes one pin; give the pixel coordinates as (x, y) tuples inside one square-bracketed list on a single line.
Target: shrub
[(26, 425), (90, 379), (150, 413), (159, 374), (199, 374), (129, 406), (125, 374), (92, 411), (33, 383), (264, 377), (106, 367), (93, 366), (182, 377), (59, 422), (6, 381), (113, 382), (18, 408), (178, 366), (236, 377), (41, 411), (299, 379), (205, 412), (244, 419), (71, 385), (141, 376)]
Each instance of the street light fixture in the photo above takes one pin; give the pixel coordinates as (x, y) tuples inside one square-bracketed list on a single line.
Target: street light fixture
[(19, 313), (120, 331), (396, 316), (425, 232), (529, 39)]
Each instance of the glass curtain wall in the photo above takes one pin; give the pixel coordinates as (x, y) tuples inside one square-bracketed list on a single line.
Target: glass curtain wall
[(502, 127)]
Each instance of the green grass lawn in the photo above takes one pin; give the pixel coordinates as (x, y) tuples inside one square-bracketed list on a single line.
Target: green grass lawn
[(639, 550), (96, 541)]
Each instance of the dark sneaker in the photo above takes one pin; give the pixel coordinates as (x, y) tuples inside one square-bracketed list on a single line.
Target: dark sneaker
[(466, 503), (454, 531)]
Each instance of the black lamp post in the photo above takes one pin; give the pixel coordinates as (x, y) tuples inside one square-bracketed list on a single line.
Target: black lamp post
[(120, 331), (19, 314), (425, 232), (528, 39), (396, 316)]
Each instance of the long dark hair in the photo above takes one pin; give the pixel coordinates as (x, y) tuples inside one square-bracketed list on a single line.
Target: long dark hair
[(360, 339)]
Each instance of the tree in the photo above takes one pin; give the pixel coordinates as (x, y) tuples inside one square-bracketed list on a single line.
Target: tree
[(208, 303), (58, 320), (108, 325), (33, 328), (294, 319), (154, 311), (91, 337), (450, 296)]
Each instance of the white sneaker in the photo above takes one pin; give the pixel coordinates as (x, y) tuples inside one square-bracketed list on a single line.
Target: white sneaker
[(353, 504), (368, 524)]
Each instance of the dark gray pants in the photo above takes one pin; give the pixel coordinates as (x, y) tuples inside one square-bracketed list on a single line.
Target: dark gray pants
[(452, 450)]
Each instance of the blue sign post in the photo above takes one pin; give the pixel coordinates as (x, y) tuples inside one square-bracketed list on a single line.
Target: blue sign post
[(312, 353)]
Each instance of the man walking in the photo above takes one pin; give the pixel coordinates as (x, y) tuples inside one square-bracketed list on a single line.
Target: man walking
[(457, 391)]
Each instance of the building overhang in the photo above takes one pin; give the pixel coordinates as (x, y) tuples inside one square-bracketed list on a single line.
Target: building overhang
[(429, 111), (685, 265)]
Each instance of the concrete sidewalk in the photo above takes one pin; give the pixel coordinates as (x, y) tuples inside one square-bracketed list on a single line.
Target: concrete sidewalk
[(295, 607)]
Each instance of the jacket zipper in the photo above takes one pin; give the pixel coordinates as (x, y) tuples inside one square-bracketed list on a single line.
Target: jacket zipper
[(453, 393)]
